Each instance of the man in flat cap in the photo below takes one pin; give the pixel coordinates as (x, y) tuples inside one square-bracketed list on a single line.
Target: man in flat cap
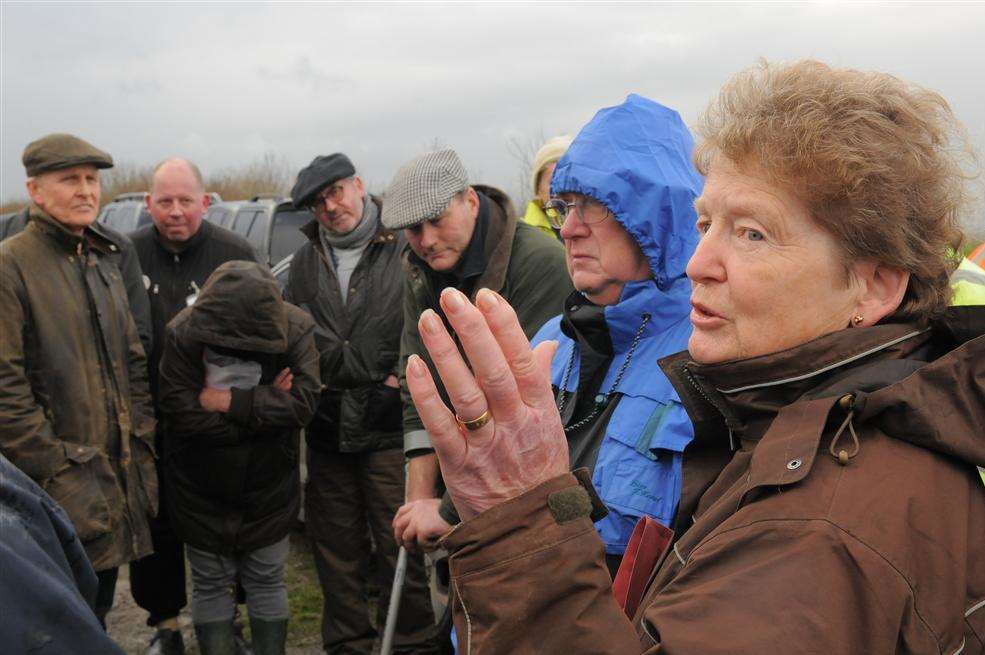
[(75, 411), (348, 278), (466, 237), (177, 252), (125, 258)]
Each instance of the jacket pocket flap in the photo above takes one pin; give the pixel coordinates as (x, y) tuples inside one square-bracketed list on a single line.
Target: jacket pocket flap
[(80, 454), (649, 426)]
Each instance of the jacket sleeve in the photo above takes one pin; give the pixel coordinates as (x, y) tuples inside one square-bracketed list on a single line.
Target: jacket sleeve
[(527, 578), (264, 406), (181, 379), (27, 436), (416, 439), (523, 575), (48, 584), (133, 280)]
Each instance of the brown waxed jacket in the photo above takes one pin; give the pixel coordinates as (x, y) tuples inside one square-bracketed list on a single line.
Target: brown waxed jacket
[(791, 549), (75, 410)]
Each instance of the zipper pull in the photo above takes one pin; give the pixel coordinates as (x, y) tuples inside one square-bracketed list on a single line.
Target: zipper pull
[(156, 289)]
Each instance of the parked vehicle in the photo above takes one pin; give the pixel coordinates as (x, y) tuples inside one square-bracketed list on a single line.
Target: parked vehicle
[(281, 270), (5, 225), (126, 213), (270, 223)]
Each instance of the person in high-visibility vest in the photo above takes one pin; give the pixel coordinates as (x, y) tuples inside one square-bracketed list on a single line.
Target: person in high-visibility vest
[(977, 256), (968, 283)]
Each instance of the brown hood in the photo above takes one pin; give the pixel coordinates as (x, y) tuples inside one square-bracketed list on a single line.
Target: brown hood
[(240, 307), (941, 405)]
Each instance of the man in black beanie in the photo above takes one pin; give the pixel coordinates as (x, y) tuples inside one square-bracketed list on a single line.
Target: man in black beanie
[(348, 277)]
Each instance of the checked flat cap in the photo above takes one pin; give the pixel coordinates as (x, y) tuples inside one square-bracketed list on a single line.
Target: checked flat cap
[(422, 188)]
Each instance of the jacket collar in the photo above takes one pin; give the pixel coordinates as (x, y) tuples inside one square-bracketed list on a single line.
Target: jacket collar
[(193, 244), (91, 237), (644, 297), (743, 396), (499, 239)]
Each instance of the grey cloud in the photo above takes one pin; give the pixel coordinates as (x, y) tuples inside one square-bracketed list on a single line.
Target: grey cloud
[(382, 81)]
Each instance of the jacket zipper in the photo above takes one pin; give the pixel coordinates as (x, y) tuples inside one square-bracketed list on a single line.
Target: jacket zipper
[(728, 422)]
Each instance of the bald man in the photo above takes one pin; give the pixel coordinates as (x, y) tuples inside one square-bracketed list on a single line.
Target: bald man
[(177, 253)]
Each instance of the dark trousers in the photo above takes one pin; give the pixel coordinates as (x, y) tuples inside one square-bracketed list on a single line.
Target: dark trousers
[(104, 593), (345, 493), (157, 581)]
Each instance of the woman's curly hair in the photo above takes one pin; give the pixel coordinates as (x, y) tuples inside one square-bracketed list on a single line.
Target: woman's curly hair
[(879, 162)]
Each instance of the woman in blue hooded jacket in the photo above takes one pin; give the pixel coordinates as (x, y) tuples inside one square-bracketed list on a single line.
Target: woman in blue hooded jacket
[(622, 197)]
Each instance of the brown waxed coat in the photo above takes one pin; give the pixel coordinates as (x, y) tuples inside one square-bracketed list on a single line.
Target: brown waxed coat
[(790, 550), (75, 410)]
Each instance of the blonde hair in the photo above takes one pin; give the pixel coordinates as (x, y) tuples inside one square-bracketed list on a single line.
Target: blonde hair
[(879, 162)]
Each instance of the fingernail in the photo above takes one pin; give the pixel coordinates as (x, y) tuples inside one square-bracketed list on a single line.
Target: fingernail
[(452, 300), (415, 366), (486, 300), (429, 321)]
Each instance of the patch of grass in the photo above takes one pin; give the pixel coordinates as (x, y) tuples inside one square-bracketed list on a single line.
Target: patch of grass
[(304, 594)]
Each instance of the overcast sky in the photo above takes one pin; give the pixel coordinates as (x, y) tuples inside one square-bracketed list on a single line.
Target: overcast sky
[(225, 83)]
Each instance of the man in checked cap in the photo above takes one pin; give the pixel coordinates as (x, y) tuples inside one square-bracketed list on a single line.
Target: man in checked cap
[(466, 237)]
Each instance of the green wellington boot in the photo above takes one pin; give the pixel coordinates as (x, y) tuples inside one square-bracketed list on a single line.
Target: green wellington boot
[(269, 637), (215, 638)]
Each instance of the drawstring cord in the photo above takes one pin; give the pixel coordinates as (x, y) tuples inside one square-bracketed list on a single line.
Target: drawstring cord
[(847, 403)]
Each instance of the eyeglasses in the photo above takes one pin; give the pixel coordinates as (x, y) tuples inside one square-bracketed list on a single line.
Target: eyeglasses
[(585, 209), (333, 193)]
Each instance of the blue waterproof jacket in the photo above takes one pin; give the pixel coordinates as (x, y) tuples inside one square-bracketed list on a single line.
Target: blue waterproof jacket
[(636, 159)]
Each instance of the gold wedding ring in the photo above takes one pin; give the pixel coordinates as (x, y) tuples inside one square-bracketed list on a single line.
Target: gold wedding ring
[(475, 423)]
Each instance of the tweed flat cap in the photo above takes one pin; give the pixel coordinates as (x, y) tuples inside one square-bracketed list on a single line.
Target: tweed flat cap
[(322, 171), (57, 151), (422, 188)]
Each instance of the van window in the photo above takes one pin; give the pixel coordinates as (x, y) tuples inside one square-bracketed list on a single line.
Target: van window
[(286, 236), (218, 215), (144, 218), (109, 216), (244, 221)]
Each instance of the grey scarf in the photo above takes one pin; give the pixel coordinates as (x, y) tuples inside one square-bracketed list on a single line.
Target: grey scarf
[(358, 237)]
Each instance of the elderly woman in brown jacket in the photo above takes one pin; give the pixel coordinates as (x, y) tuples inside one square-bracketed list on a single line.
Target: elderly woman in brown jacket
[(830, 500)]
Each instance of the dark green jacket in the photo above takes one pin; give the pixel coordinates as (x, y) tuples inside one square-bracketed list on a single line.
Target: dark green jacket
[(523, 265), (358, 341), (233, 478), (75, 411)]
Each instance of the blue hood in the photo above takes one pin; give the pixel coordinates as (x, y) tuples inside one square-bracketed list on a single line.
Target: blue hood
[(635, 158)]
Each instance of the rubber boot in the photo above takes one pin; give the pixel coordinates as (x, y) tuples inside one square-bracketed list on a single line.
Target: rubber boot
[(215, 638), (269, 637)]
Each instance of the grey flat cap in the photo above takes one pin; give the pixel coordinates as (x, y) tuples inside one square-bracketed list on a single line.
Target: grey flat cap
[(422, 188)]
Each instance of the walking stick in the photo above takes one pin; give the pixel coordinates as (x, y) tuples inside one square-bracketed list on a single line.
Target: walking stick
[(395, 592)]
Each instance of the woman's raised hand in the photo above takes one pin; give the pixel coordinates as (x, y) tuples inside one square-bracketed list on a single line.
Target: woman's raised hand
[(523, 442)]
